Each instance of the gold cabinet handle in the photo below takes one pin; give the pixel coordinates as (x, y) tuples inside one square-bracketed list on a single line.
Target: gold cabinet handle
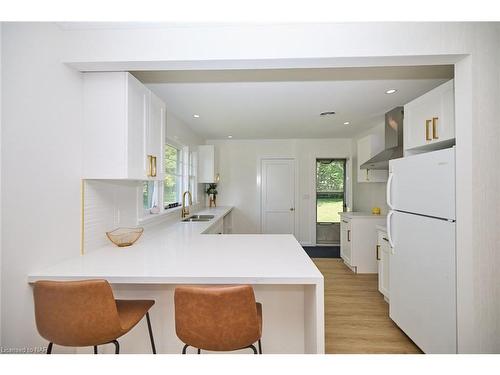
[(378, 249), (150, 165), (428, 130), (434, 128), (153, 167)]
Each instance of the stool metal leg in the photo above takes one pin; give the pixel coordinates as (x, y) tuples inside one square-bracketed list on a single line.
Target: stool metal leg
[(95, 349), (184, 349), (49, 348), (151, 333), (253, 348), (199, 351), (260, 347), (117, 346)]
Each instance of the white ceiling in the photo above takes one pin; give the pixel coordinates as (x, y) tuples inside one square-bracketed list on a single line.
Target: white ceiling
[(287, 103)]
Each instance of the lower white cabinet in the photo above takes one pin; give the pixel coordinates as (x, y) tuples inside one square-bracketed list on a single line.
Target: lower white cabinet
[(384, 261), (216, 228), (345, 240), (358, 240)]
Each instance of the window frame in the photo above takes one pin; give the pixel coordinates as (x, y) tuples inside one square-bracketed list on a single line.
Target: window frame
[(180, 148), (188, 181)]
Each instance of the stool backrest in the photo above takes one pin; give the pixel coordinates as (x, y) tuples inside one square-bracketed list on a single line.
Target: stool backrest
[(221, 318), (76, 313)]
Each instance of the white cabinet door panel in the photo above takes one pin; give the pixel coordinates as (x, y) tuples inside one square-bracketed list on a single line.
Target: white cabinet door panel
[(156, 133), (430, 118), (345, 241), (138, 112)]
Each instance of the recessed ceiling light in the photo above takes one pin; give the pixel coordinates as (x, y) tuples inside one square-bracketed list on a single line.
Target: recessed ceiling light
[(230, 136), (196, 116), (328, 113), (346, 123), (391, 91)]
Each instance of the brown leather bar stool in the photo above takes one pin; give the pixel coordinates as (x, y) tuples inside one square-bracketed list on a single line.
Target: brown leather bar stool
[(221, 318), (85, 313)]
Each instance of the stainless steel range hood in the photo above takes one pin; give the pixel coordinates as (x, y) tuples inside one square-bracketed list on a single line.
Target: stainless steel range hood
[(393, 141)]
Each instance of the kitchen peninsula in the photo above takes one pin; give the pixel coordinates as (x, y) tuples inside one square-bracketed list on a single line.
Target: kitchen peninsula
[(284, 278)]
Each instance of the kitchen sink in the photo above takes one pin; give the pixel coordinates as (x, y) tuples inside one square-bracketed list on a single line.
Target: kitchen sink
[(199, 218)]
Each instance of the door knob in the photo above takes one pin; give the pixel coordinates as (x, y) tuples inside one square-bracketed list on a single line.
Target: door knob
[(292, 209)]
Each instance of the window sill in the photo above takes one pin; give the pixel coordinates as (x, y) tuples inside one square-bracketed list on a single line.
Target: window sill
[(165, 213)]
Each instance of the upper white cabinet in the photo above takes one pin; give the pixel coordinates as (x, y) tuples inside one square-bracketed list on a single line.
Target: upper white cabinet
[(368, 147), (429, 120), (124, 128), (207, 164), (155, 136)]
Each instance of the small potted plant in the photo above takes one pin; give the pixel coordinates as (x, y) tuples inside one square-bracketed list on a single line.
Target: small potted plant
[(212, 193)]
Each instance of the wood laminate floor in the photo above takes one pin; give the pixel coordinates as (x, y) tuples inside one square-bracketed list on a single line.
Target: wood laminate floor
[(356, 315)]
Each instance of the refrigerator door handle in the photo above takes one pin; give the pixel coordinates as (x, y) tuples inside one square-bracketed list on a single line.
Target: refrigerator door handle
[(389, 191), (389, 236)]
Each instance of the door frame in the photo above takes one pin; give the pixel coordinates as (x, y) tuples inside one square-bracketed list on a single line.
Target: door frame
[(295, 195), (312, 188)]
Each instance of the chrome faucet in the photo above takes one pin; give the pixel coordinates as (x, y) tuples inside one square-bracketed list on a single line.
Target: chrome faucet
[(185, 210)]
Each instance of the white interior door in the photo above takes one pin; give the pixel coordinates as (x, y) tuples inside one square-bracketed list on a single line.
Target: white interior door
[(278, 196)]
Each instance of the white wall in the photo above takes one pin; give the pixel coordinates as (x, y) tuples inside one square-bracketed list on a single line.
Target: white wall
[(239, 167), (41, 168), (367, 195), (180, 132)]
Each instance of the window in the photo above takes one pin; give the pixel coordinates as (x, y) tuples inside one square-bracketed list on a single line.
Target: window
[(180, 167), (149, 195), (173, 182)]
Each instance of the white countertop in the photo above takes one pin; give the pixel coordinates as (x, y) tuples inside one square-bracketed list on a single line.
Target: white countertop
[(351, 215), (179, 253)]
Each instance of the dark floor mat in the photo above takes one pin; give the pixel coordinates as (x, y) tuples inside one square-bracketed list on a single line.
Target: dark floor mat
[(322, 251)]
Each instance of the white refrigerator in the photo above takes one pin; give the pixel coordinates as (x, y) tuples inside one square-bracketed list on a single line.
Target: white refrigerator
[(421, 231)]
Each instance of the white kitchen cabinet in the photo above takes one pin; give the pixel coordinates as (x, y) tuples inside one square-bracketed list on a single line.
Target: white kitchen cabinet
[(383, 249), (429, 120), (345, 240), (207, 164), (123, 128), (155, 136), (216, 228), (358, 240), (368, 147), (228, 223)]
